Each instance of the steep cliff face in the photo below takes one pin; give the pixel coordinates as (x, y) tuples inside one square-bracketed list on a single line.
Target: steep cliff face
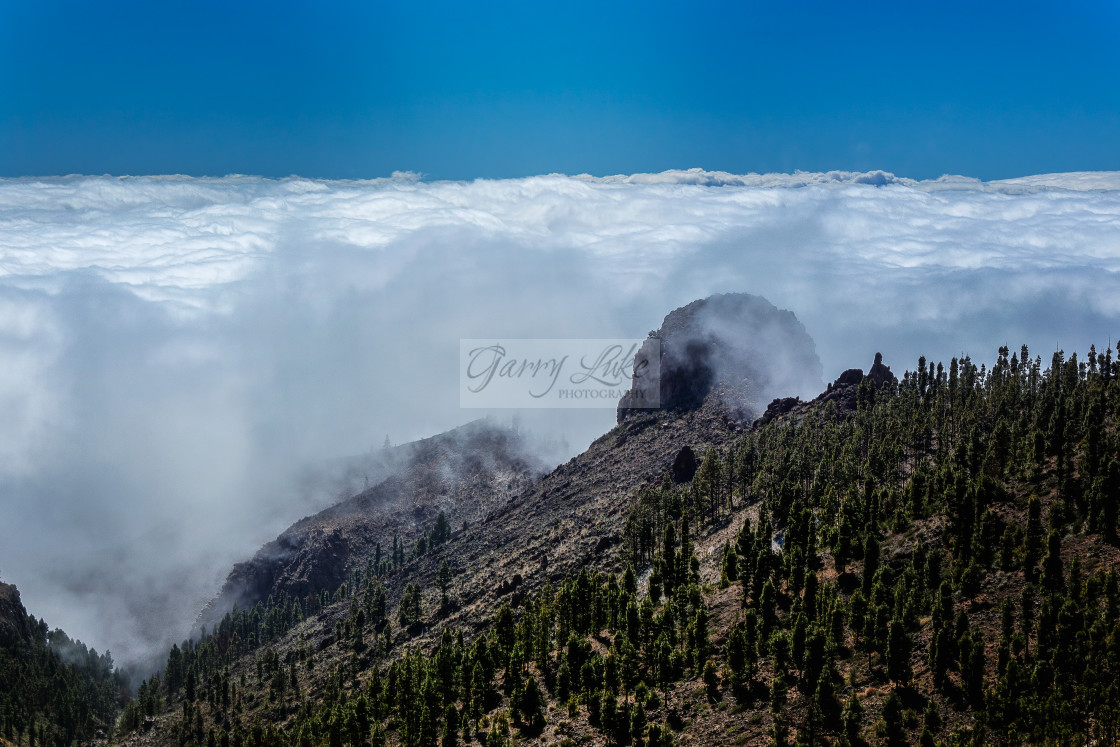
[(737, 348), (465, 473)]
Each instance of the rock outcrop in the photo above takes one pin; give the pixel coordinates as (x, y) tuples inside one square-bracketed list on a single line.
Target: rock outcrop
[(881, 374), (843, 393), (778, 408), (737, 347)]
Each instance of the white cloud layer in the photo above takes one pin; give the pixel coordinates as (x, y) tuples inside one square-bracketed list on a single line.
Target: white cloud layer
[(175, 350)]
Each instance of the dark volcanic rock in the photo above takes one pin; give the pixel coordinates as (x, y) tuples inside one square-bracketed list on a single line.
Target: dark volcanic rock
[(779, 407), (881, 374), (606, 543), (842, 393), (737, 347), (684, 465)]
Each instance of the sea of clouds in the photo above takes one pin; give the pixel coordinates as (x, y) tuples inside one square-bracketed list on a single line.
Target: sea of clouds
[(178, 355)]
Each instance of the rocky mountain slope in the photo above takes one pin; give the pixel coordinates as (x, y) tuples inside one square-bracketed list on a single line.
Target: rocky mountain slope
[(929, 558), (465, 473)]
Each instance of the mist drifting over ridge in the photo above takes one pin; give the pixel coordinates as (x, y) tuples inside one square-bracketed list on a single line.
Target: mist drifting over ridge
[(177, 350)]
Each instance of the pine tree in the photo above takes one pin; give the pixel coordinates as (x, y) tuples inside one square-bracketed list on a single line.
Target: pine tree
[(408, 612), (842, 550), (638, 722), (668, 560), (870, 562), (443, 580), (892, 727), (532, 704), (1032, 549), (1052, 572), (853, 719), (898, 653), (441, 532)]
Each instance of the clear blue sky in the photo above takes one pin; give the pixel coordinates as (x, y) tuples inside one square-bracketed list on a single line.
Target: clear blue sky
[(462, 90)]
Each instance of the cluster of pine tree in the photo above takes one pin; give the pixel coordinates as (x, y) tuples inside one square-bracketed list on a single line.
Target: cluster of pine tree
[(54, 690), (477, 692), (950, 469), (243, 631)]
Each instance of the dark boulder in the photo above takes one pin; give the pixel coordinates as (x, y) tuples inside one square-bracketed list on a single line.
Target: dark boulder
[(509, 584), (777, 408), (684, 465)]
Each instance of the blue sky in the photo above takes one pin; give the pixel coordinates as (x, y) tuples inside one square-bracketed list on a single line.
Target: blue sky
[(460, 90)]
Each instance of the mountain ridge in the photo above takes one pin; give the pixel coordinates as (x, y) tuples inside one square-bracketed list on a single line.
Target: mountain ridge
[(462, 473)]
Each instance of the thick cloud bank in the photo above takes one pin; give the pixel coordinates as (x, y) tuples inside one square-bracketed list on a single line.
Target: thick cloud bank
[(178, 353)]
